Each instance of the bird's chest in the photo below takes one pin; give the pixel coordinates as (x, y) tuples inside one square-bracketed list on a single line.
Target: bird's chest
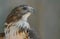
[(17, 30)]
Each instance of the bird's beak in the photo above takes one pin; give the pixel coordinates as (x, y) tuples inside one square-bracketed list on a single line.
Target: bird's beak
[(31, 9)]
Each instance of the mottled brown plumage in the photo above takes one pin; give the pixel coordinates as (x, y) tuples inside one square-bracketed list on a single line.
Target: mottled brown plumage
[(16, 23), (13, 16)]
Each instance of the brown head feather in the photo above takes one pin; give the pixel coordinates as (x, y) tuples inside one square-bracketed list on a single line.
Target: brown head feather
[(13, 16)]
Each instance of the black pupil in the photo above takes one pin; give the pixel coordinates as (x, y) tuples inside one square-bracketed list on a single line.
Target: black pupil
[(24, 8)]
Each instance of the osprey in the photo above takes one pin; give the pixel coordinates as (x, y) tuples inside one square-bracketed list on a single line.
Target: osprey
[(16, 25)]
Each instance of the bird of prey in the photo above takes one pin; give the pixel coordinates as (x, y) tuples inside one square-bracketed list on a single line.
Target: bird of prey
[(16, 25)]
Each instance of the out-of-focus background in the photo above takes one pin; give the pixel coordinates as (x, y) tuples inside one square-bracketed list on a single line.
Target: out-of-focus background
[(45, 20)]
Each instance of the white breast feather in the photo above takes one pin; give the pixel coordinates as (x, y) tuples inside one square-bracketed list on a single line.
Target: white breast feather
[(14, 27)]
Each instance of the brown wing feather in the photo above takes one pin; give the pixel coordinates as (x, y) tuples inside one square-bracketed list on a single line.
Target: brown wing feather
[(22, 35)]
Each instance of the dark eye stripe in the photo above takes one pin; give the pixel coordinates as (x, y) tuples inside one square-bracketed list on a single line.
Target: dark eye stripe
[(24, 8), (23, 5)]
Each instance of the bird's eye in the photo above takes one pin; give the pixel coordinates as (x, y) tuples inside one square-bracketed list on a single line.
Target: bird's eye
[(24, 8)]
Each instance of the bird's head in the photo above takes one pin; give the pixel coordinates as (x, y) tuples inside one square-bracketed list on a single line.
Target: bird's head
[(23, 11), (19, 12)]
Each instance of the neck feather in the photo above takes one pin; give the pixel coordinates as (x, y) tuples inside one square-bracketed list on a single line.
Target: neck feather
[(25, 17)]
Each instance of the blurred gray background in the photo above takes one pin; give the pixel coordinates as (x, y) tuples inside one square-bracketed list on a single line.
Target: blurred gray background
[(46, 20)]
